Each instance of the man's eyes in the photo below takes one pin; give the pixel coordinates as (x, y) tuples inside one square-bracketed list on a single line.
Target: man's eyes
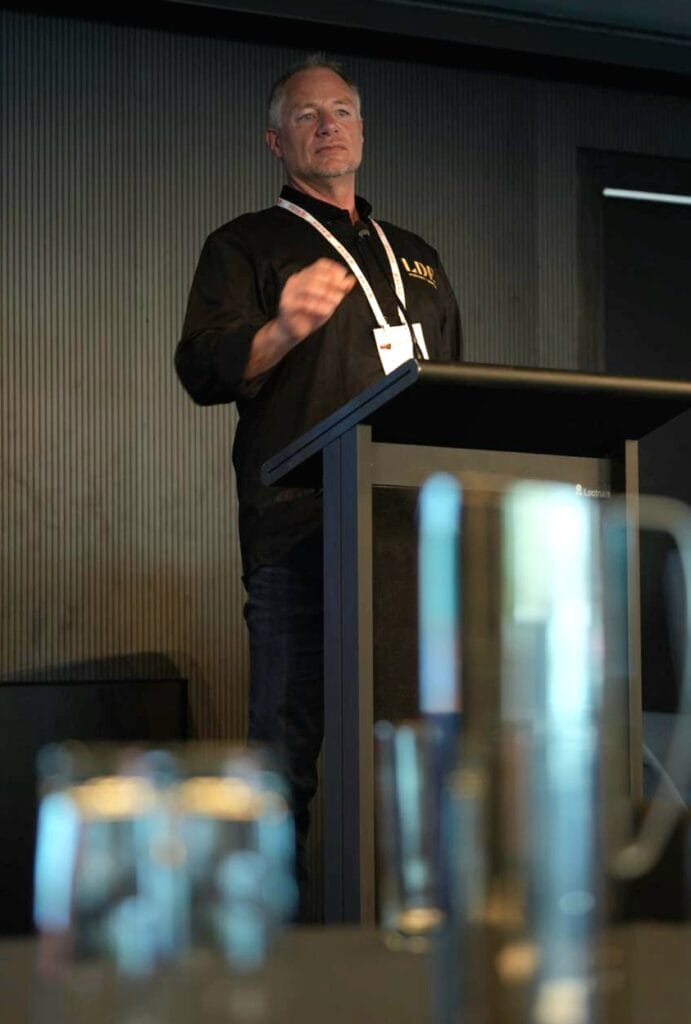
[(343, 113)]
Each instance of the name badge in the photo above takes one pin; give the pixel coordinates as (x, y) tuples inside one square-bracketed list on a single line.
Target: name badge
[(395, 345)]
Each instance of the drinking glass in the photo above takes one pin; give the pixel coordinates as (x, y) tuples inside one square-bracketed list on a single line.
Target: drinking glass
[(108, 879), (237, 831), (538, 808), (409, 884), (147, 856)]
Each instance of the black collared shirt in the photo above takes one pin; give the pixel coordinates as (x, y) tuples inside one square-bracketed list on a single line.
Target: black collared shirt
[(241, 272)]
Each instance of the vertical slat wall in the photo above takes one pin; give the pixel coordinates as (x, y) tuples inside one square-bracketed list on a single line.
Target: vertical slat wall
[(120, 149)]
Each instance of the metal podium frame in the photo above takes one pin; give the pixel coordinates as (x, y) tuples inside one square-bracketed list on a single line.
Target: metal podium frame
[(460, 418)]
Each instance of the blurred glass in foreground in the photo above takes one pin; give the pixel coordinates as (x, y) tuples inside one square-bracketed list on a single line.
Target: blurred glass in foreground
[(410, 910), (237, 833), (144, 857), (536, 812)]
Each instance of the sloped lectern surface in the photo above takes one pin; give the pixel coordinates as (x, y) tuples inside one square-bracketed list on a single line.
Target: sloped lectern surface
[(556, 412)]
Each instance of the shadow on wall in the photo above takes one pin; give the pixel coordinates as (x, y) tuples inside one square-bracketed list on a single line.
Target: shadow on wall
[(99, 619), (141, 665)]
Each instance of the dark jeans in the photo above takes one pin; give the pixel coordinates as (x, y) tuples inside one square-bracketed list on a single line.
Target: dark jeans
[(284, 615)]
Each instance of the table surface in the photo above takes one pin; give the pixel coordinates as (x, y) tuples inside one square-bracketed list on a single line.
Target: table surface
[(341, 975)]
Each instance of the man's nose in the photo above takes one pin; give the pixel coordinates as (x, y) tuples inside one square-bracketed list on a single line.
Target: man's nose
[(327, 124)]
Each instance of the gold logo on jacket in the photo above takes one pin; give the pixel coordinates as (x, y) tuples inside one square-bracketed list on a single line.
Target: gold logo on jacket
[(422, 271)]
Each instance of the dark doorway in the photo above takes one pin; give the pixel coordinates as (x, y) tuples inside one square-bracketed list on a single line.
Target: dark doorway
[(636, 302)]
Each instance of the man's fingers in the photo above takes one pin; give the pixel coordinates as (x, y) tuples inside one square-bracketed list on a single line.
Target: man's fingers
[(319, 305), (326, 265), (330, 291), (312, 295), (324, 281), (326, 271)]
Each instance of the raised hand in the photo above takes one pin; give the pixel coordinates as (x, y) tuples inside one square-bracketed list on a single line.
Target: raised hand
[(308, 299)]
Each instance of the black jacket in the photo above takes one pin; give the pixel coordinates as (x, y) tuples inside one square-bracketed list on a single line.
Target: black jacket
[(241, 272)]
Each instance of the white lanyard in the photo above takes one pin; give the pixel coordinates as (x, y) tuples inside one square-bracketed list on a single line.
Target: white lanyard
[(352, 262)]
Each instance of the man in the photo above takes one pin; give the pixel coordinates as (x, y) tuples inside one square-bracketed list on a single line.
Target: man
[(293, 311)]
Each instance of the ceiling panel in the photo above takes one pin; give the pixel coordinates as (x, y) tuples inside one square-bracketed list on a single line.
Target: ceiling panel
[(650, 35), (667, 17)]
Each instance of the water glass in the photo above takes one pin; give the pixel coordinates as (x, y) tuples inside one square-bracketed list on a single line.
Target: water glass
[(409, 759), (237, 832), (146, 857)]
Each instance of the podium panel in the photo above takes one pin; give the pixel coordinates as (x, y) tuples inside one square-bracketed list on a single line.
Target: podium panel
[(370, 546)]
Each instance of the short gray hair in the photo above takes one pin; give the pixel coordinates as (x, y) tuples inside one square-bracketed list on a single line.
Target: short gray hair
[(278, 89)]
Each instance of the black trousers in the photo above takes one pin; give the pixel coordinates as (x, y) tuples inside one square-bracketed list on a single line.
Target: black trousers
[(284, 615)]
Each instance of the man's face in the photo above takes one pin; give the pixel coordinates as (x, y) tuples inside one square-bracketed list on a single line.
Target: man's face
[(321, 129)]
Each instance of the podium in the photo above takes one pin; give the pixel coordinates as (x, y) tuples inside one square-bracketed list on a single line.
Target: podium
[(459, 418)]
